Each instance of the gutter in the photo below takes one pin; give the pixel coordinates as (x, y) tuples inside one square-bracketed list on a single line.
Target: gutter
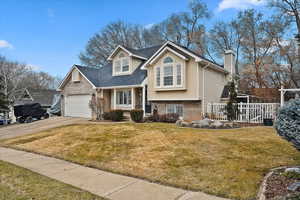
[(203, 88)]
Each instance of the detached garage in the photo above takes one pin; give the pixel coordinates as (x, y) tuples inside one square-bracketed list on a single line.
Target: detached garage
[(77, 91), (78, 106)]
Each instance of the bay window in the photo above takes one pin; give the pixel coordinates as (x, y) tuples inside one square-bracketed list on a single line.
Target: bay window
[(170, 74), (123, 97), (157, 76)]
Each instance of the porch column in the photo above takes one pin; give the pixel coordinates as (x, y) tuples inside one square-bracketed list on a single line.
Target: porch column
[(132, 99), (282, 96), (115, 98), (144, 100)]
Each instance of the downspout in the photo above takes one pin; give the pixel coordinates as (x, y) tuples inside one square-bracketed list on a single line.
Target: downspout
[(203, 89)]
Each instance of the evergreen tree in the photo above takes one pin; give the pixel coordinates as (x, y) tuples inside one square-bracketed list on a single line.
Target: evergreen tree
[(232, 107), (3, 98)]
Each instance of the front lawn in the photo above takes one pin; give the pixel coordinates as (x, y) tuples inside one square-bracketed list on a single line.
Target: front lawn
[(17, 183), (229, 163)]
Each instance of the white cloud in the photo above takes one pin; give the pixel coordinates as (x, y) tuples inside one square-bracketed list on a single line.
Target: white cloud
[(238, 4), (5, 44)]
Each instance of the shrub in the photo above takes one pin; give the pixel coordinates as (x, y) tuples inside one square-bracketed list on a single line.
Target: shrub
[(106, 116), (169, 118), (137, 115), (117, 115), (287, 123)]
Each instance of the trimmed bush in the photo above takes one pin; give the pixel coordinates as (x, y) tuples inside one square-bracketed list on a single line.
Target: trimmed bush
[(116, 115), (106, 116), (288, 122), (137, 115)]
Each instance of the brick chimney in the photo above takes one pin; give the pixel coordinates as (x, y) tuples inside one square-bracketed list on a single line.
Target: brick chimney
[(229, 62)]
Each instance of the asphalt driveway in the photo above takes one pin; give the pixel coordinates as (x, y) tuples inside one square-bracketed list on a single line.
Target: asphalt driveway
[(23, 129)]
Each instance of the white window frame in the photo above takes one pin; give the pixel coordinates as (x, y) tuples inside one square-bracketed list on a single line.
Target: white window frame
[(157, 79), (122, 60), (174, 65), (125, 94), (175, 109)]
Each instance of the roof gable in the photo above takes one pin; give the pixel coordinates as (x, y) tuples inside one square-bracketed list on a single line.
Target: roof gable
[(127, 50), (76, 67), (185, 52)]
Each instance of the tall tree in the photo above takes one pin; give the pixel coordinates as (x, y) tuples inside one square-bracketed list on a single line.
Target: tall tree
[(3, 98), (256, 43), (104, 42), (38, 80), (224, 36), (289, 9), (12, 74), (186, 28)]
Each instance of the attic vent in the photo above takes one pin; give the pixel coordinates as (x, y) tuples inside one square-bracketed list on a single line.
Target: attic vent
[(75, 76)]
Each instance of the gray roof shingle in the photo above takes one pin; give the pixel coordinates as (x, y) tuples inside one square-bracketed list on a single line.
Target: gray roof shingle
[(102, 77)]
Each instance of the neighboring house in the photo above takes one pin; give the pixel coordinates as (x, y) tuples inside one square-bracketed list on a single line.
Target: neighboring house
[(169, 77), (44, 97)]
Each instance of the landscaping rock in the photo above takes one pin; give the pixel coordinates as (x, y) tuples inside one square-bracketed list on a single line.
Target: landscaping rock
[(185, 124), (205, 123), (294, 187), (217, 124), (293, 169), (179, 122), (196, 125)]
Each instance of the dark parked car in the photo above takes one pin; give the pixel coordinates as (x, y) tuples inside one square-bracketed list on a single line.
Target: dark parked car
[(4, 121), (28, 112)]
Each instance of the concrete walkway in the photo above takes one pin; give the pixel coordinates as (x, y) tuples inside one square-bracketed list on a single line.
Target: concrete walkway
[(105, 184)]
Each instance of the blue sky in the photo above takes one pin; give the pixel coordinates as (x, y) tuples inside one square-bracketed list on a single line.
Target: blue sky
[(50, 34)]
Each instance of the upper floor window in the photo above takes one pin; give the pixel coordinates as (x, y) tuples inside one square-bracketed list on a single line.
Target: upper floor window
[(168, 60), (157, 76), (170, 74), (121, 63)]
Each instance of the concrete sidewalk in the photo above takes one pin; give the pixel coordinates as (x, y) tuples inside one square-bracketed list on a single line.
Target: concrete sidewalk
[(105, 184)]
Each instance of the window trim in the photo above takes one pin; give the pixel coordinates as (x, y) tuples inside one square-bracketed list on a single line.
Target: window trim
[(123, 92), (175, 108), (122, 60), (174, 65), (75, 76)]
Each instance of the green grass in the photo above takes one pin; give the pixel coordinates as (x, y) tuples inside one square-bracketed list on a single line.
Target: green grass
[(17, 183), (228, 163)]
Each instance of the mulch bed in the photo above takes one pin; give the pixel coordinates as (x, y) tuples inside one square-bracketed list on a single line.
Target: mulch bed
[(277, 184)]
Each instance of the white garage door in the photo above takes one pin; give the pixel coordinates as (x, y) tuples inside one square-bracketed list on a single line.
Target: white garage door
[(78, 106)]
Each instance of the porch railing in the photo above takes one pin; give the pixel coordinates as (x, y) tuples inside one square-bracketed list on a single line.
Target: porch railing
[(248, 112)]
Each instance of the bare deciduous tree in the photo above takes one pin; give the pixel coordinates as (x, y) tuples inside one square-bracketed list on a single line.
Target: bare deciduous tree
[(12, 74), (117, 33), (186, 28), (224, 36)]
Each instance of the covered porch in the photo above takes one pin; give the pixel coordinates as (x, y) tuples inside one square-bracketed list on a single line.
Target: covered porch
[(124, 98)]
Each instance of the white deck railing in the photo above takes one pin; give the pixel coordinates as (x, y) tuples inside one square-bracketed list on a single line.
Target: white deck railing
[(248, 112)]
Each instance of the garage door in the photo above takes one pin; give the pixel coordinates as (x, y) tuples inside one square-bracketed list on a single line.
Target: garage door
[(78, 106)]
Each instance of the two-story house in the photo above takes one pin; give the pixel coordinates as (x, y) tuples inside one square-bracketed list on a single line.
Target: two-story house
[(168, 77)]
